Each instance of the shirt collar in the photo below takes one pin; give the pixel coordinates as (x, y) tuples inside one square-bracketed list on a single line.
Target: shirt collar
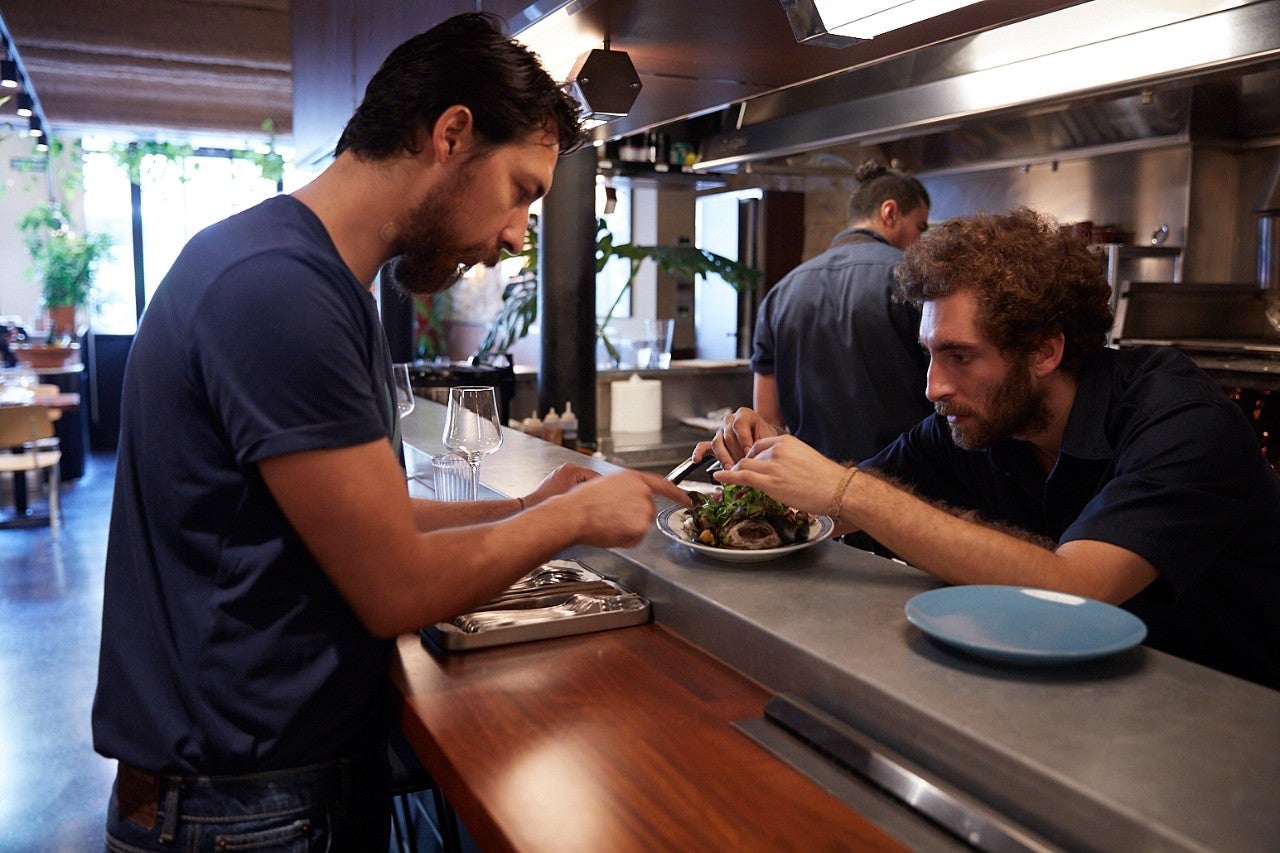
[(857, 235), (1085, 436)]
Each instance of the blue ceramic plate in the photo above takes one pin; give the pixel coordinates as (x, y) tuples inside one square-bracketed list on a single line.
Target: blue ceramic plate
[(1023, 625), (671, 523)]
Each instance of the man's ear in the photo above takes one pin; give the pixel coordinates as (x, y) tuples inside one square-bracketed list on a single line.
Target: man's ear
[(1046, 357), (889, 212), (452, 132)]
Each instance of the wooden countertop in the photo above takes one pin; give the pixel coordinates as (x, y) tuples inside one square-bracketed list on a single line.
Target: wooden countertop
[(619, 740)]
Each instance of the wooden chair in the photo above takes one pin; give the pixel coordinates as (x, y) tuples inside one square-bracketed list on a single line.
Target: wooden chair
[(27, 443)]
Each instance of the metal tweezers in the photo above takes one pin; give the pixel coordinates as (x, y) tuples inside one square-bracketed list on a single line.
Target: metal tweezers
[(688, 466)]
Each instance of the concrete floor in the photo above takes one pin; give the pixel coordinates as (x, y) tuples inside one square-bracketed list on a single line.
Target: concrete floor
[(53, 786)]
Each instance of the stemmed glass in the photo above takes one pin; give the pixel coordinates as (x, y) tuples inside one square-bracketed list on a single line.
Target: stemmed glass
[(472, 428), (404, 389)]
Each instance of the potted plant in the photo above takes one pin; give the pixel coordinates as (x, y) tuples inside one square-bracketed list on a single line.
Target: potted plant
[(63, 262), (520, 297)]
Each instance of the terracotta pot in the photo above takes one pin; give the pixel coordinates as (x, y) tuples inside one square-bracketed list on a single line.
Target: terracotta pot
[(45, 355), (63, 318)]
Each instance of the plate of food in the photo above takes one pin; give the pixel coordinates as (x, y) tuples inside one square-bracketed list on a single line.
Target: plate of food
[(739, 524)]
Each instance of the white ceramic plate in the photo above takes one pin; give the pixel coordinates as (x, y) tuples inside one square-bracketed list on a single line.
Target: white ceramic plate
[(671, 521), (1022, 625)]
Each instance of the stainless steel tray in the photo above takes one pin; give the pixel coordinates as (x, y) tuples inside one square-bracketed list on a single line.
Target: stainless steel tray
[(558, 599)]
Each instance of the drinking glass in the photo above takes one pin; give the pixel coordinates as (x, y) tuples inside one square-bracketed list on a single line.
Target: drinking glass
[(404, 389), (471, 427)]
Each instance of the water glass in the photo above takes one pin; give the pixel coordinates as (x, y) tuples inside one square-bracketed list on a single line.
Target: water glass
[(451, 477), (656, 353), (404, 388)]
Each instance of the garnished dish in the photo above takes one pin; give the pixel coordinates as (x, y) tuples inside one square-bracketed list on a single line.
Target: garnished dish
[(742, 524), (743, 517)]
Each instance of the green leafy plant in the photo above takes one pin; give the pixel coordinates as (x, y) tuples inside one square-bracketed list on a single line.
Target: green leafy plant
[(520, 296), (130, 155), (63, 262), (431, 339)]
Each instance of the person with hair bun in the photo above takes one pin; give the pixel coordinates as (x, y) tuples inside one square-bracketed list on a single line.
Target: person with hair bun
[(835, 358)]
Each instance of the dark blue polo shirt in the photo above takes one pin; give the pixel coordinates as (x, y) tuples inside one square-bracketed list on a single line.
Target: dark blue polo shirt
[(1155, 459)]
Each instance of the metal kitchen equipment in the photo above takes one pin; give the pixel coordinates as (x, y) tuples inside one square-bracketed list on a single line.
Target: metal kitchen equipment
[(432, 380)]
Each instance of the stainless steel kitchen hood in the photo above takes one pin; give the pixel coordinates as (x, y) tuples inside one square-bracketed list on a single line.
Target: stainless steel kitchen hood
[(1094, 76)]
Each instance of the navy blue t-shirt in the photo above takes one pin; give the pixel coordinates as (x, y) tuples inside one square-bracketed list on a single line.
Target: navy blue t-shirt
[(225, 648), (1155, 459)]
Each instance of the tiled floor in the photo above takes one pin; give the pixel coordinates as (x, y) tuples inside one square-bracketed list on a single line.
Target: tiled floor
[(53, 786)]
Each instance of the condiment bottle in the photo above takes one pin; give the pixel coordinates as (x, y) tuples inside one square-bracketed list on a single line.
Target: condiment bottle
[(532, 425), (551, 429), (569, 427)]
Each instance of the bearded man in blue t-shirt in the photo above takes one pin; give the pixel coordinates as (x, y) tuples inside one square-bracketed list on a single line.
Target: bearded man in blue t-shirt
[(263, 548)]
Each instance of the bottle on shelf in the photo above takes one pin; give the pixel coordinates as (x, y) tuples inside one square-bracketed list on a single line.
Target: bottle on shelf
[(569, 428), (533, 425), (551, 429)]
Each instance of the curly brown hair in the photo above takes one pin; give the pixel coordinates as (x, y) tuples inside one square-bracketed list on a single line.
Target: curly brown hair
[(1032, 278)]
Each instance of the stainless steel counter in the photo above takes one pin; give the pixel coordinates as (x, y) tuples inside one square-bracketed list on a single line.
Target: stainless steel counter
[(1138, 751)]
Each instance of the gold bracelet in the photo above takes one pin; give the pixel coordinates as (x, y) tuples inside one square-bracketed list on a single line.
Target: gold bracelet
[(837, 500)]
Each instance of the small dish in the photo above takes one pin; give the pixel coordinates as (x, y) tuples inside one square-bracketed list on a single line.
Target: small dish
[(1024, 625), (671, 522)]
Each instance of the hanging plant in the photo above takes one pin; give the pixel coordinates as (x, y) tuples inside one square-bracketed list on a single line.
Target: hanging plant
[(520, 296), (130, 156)]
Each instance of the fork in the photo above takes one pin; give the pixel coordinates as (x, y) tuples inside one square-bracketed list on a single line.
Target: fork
[(576, 605)]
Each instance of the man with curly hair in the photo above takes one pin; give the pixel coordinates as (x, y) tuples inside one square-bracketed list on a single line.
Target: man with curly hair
[(1051, 460)]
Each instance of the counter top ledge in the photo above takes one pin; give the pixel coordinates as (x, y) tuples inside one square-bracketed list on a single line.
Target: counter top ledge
[(1142, 750)]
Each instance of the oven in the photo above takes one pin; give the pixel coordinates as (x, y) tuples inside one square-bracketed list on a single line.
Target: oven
[(1225, 330)]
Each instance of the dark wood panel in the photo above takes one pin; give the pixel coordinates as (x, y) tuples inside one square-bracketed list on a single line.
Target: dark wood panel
[(618, 741), (378, 30), (323, 87)]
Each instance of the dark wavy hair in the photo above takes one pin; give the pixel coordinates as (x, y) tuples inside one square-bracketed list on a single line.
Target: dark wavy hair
[(876, 184), (1032, 277), (465, 60)]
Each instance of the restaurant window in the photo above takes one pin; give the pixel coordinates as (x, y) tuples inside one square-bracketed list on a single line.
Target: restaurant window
[(611, 279), (175, 196)]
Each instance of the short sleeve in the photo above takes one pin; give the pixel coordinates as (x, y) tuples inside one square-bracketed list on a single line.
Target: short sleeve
[(1182, 489), (285, 358)]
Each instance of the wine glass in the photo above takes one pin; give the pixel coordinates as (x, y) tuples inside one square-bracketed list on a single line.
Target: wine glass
[(472, 428), (404, 388)]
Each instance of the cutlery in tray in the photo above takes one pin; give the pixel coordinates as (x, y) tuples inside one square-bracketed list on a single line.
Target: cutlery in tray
[(557, 599)]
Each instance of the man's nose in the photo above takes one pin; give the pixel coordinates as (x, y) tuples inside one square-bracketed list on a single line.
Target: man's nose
[(511, 237), (937, 387)]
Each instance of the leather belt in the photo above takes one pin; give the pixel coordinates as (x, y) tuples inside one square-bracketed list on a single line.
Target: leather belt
[(137, 795)]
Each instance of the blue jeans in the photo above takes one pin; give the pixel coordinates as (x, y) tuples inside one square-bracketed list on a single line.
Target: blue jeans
[(338, 806)]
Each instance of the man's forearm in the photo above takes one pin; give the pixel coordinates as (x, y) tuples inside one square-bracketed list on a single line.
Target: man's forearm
[(433, 515), (946, 544)]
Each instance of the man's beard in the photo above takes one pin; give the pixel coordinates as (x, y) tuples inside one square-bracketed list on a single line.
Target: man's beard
[(1013, 408), (429, 258)]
